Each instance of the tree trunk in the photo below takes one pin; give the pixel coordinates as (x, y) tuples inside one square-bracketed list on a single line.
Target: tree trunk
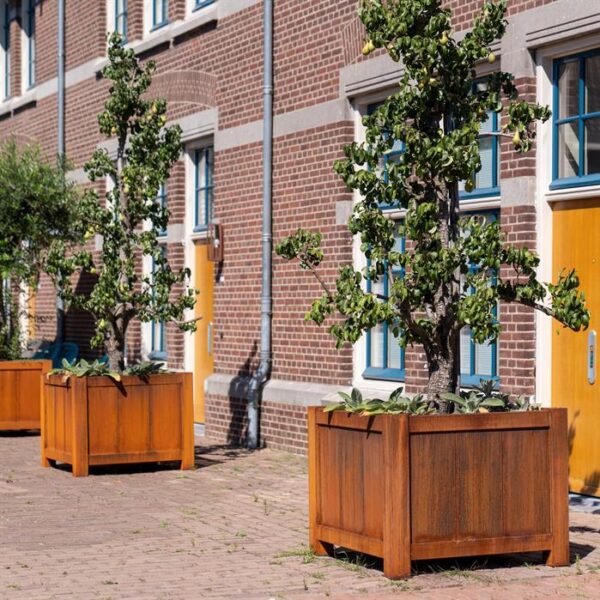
[(115, 348), (443, 378)]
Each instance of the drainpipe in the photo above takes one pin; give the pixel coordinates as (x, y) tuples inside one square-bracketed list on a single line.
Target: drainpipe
[(60, 309), (264, 369)]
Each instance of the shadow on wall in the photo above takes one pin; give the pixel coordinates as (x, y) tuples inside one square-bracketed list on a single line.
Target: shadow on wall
[(238, 394), (79, 324), (591, 483)]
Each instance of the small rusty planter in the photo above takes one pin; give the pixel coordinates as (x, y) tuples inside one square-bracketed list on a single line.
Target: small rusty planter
[(20, 393), (407, 488), (97, 421)]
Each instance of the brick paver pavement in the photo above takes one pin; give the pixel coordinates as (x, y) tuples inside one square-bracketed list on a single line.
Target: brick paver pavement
[(234, 528)]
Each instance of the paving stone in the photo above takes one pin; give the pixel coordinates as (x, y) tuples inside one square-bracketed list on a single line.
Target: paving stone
[(236, 527)]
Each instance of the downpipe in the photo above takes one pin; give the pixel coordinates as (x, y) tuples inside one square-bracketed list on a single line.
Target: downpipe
[(263, 371)]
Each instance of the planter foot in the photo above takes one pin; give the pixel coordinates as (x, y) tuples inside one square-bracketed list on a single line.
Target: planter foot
[(556, 559), (322, 548), (48, 462)]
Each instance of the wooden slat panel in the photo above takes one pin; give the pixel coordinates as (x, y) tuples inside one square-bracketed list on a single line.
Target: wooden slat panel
[(526, 482), (500, 545), (434, 502), (479, 471), (165, 412), (135, 457), (104, 415), (479, 422), (347, 539)]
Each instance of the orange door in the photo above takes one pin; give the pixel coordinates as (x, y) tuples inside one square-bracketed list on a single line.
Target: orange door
[(576, 244), (203, 338)]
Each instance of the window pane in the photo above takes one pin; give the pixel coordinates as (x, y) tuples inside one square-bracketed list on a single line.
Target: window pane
[(394, 352), (465, 350), (568, 150), (377, 347), (592, 84), (568, 89), (485, 177), (592, 146), (483, 359)]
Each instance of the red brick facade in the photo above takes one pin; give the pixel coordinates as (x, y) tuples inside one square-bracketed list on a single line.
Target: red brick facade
[(218, 65)]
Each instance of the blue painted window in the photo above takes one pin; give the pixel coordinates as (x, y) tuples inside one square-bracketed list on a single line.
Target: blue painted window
[(576, 116), (161, 198), (121, 18), (6, 50), (30, 35), (202, 3), (158, 339), (203, 187), (385, 358), (160, 13), (478, 361)]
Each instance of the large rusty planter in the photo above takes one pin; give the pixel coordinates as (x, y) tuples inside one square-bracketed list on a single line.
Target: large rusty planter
[(427, 487), (20, 392), (97, 421)]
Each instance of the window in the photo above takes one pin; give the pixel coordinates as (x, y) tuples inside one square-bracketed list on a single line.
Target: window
[(120, 25), (385, 358), (29, 43), (576, 114), (5, 50), (203, 187), (478, 361), (158, 346), (160, 13), (201, 3), (161, 198), (487, 180)]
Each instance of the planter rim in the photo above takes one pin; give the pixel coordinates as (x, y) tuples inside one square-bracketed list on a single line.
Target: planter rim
[(126, 380), (25, 363)]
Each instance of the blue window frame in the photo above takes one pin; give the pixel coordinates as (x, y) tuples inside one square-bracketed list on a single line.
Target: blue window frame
[(30, 34), (161, 198), (487, 179), (576, 118), (6, 50), (203, 187), (202, 3), (385, 358), (158, 339), (160, 13), (478, 361), (121, 18)]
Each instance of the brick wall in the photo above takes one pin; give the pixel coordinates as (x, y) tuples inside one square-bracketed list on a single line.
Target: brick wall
[(219, 65)]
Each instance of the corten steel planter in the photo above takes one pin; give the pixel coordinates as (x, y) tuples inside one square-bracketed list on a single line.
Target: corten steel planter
[(20, 393), (428, 487), (97, 421)]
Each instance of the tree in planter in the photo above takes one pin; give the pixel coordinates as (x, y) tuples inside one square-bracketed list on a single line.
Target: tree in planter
[(454, 270), (40, 213), (129, 217)]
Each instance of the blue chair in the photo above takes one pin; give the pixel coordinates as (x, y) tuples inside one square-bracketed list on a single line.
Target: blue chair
[(68, 351), (49, 351)]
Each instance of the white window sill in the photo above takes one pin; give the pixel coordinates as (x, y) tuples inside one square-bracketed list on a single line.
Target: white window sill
[(13, 104), (576, 193)]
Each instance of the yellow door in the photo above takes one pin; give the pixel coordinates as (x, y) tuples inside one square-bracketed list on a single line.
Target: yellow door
[(576, 244), (205, 282)]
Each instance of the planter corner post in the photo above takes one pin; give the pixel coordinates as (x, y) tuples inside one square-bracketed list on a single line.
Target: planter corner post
[(80, 426)]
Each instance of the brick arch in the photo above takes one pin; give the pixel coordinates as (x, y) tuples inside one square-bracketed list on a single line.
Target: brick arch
[(187, 87)]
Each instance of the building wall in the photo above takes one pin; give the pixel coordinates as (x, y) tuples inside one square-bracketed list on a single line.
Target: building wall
[(211, 63)]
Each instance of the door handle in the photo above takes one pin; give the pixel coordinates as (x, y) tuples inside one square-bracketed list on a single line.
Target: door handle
[(209, 338)]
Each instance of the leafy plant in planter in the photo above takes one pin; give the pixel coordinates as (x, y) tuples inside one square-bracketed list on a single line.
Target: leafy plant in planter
[(39, 212), (128, 218), (101, 399), (455, 269), (414, 485)]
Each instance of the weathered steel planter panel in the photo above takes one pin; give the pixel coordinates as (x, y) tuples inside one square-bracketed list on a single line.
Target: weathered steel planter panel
[(97, 421), (412, 487), (20, 392)]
